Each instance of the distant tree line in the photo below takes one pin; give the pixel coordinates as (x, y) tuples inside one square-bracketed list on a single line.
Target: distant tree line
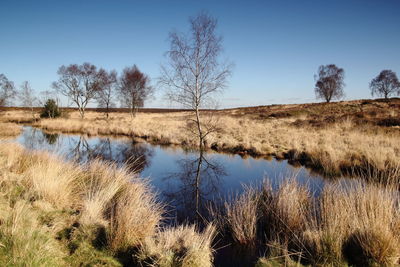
[(82, 84)]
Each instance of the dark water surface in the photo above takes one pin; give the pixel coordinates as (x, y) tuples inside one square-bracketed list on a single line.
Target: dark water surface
[(186, 180)]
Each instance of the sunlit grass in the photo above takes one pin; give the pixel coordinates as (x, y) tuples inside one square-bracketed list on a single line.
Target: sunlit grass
[(355, 225), (332, 138), (77, 214)]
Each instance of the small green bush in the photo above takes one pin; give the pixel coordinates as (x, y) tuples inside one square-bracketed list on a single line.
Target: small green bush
[(50, 109)]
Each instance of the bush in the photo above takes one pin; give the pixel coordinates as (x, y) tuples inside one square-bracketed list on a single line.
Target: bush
[(50, 110), (389, 122)]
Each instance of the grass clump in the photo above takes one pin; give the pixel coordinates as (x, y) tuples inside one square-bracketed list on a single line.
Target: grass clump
[(180, 246), (23, 241), (92, 214), (356, 225)]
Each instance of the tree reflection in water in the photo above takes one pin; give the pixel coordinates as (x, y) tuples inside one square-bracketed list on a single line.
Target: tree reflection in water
[(135, 156), (51, 138), (33, 138), (200, 180), (188, 186)]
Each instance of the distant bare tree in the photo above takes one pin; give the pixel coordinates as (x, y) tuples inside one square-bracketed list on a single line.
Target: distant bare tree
[(194, 72), (80, 83), (134, 88), (385, 84), (105, 96), (27, 97), (329, 82), (7, 91)]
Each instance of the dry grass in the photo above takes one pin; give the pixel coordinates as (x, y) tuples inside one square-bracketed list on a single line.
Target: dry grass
[(333, 148), (180, 246), (18, 116), (240, 216), (357, 225), (9, 130), (97, 211), (22, 237), (332, 137)]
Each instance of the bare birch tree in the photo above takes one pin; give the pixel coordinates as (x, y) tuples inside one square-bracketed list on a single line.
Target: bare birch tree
[(27, 97), (194, 72), (105, 96), (7, 91), (80, 83)]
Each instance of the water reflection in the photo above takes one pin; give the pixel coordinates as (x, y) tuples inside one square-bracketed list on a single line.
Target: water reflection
[(51, 138), (128, 153), (200, 181), (187, 180)]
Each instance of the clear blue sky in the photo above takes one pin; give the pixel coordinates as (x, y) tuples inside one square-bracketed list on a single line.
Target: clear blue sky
[(276, 46)]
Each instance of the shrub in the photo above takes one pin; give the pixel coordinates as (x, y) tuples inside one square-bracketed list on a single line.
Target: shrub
[(389, 122), (50, 110)]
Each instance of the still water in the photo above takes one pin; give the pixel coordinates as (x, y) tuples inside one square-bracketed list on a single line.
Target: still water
[(186, 181)]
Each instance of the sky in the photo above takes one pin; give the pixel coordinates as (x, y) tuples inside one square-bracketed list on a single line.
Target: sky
[(276, 46)]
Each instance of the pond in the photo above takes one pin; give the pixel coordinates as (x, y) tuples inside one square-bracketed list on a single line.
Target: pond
[(187, 181)]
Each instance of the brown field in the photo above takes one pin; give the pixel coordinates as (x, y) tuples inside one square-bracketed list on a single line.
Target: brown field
[(333, 138), (95, 214)]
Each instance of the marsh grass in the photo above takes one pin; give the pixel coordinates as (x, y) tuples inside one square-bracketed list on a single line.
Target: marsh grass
[(82, 215), (356, 224)]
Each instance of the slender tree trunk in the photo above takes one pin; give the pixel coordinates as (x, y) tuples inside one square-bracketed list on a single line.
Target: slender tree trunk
[(199, 129), (132, 112), (33, 114), (81, 111)]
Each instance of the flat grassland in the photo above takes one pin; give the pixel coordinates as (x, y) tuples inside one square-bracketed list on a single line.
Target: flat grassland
[(334, 138), (96, 214)]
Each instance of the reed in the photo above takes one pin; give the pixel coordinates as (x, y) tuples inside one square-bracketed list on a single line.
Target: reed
[(356, 224)]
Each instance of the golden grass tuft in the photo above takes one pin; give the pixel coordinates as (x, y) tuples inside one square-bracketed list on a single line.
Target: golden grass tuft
[(179, 246), (51, 179), (135, 215), (285, 210), (356, 224), (241, 217)]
